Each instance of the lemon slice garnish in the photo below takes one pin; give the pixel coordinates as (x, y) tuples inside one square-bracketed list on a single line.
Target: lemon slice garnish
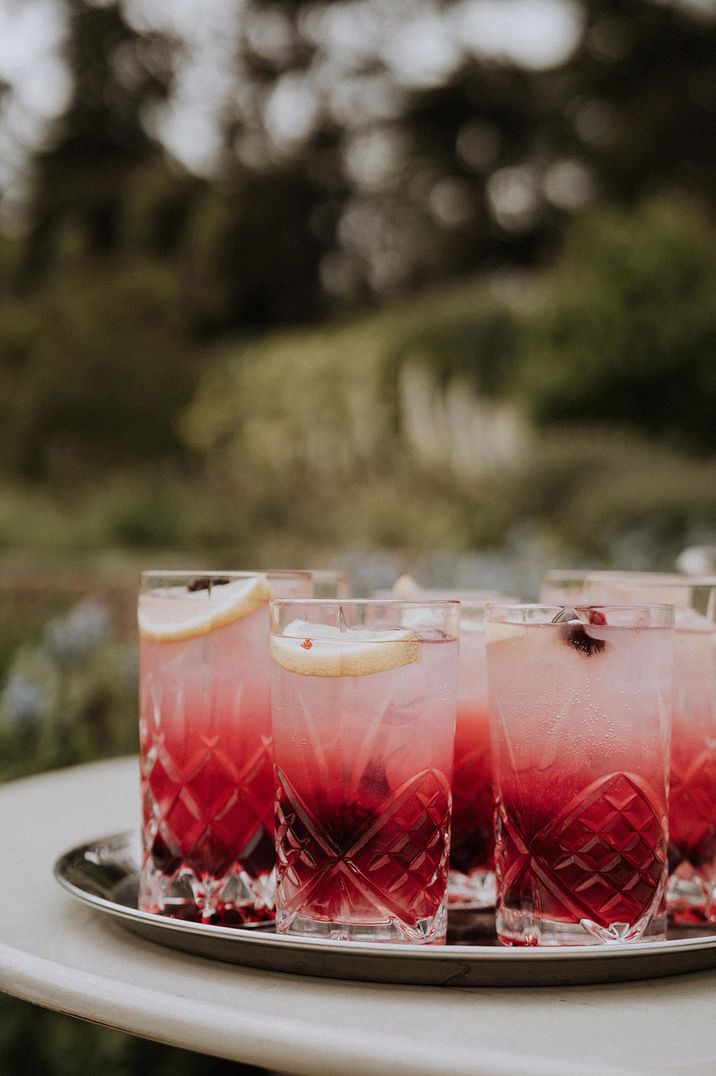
[(322, 650), (172, 614)]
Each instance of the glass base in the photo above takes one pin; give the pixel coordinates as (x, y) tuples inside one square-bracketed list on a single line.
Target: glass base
[(471, 891), (656, 928), (690, 899), (429, 931), (227, 901), (526, 929)]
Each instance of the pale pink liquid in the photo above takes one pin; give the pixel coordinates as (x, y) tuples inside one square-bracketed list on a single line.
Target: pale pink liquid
[(692, 795), (363, 768), (580, 751), (692, 799), (206, 774)]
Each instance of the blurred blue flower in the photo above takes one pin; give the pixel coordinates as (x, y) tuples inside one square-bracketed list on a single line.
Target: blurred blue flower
[(73, 638), (24, 704)]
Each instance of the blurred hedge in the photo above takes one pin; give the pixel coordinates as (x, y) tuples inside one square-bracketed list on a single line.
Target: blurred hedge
[(573, 399), (623, 329), (571, 402)]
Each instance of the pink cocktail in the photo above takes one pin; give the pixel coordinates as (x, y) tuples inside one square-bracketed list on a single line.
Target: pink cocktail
[(580, 705), (692, 800), (471, 881), (205, 744), (364, 698), (692, 797), (472, 849)]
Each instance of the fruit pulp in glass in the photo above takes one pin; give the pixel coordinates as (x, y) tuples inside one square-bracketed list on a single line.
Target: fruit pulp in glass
[(580, 750), (363, 769), (206, 774)]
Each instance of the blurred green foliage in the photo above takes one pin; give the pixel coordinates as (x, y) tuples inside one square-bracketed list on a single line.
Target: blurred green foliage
[(609, 496), (93, 372), (573, 399), (623, 330), (329, 438), (68, 693), (129, 272)]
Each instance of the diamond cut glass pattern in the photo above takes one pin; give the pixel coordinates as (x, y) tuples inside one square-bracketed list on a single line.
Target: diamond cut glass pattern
[(206, 747), (363, 768), (603, 855), (580, 737), (692, 796), (389, 861)]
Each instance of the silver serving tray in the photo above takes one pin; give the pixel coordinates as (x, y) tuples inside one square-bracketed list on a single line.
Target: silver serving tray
[(103, 874)]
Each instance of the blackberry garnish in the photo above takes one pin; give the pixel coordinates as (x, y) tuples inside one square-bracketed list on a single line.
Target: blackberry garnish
[(575, 635)]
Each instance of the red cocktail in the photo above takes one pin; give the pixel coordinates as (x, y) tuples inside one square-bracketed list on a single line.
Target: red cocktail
[(692, 795), (580, 732), (363, 703), (206, 749)]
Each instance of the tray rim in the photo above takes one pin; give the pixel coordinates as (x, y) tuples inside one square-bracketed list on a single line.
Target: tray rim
[(260, 934)]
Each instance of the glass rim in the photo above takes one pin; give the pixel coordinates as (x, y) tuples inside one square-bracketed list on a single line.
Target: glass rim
[(474, 603), (384, 617), (459, 594), (651, 579), (499, 611), (392, 603), (215, 573)]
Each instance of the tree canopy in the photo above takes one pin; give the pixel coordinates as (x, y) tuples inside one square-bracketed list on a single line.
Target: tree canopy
[(346, 174)]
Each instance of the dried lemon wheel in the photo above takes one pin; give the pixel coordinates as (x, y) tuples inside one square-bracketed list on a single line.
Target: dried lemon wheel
[(172, 614), (322, 650)]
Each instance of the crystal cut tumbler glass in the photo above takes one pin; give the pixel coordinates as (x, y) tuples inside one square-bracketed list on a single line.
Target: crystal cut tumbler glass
[(472, 847), (580, 706), (471, 881), (205, 743), (363, 701), (691, 896)]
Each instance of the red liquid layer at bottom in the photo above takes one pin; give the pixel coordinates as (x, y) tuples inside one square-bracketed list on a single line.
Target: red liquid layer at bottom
[(600, 858), (208, 839), (472, 844), (692, 837), (692, 813), (366, 860)]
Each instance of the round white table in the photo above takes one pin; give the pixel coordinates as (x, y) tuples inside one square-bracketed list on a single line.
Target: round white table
[(60, 954)]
